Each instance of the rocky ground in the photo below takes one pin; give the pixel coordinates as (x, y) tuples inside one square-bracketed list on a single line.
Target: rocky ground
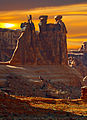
[(34, 92), (78, 65), (37, 108), (41, 81)]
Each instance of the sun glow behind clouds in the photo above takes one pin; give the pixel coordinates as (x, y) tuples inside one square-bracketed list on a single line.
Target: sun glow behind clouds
[(7, 25)]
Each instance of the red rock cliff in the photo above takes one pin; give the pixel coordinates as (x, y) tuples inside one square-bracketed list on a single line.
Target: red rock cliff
[(43, 48)]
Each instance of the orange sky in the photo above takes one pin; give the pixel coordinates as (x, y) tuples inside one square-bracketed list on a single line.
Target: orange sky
[(74, 16)]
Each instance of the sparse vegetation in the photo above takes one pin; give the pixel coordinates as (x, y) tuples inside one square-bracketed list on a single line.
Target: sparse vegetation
[(36, 108)]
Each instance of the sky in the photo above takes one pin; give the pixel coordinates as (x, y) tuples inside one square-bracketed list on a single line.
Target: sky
[(74, 12)]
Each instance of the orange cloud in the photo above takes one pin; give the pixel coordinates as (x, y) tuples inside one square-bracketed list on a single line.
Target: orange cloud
[(74, 16)]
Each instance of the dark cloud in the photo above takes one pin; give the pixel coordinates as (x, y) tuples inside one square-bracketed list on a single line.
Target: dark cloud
[(28, 4)]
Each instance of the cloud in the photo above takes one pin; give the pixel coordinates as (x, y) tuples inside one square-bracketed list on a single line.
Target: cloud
[(78, 36), (74, 17), (29, 4)]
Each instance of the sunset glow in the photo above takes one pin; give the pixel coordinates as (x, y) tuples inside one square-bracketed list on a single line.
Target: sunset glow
[(74, 17), (7, 25)]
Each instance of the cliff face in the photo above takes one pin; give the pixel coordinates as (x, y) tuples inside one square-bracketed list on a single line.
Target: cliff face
[(8, 40), (78, 59), (43, 48)]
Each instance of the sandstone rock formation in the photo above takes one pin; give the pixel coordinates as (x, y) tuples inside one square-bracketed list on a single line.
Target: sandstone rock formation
[(78, 65), (84, 93), (48, 47), (83, 47), (80, 55), (8, 40), (78, 59), (84, 82)]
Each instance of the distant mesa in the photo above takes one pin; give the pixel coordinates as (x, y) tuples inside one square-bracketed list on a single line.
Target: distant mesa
[(78, 59)]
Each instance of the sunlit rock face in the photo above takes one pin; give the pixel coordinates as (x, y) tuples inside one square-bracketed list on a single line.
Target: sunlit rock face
[(43, 48)]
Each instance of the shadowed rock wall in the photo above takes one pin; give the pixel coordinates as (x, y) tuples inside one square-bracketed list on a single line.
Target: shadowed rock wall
[(8, 40), (44, 48)]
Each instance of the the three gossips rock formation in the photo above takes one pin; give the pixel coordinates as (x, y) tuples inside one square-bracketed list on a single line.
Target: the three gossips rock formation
[(47, 47)]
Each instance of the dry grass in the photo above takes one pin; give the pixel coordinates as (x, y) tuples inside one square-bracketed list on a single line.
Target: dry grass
[(76, 106)]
